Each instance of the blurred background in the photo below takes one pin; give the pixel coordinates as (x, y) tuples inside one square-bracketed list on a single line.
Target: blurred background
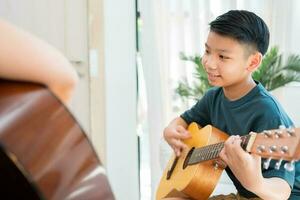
[(129, 57)]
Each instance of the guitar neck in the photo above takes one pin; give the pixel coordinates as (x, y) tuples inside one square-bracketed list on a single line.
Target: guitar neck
[(279, 144), (212, 151)]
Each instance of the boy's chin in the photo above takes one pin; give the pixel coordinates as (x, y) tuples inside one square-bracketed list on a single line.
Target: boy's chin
[(215, 84)]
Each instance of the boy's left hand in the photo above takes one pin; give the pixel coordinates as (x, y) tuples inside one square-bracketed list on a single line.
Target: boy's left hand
[(245, 167)]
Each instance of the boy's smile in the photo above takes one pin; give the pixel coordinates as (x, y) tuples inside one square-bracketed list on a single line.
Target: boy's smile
[(212, 77)]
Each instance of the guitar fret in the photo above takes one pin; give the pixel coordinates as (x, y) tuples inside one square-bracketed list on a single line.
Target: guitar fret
[(210, 150), (216, 153), (206, 153), (210, 154)]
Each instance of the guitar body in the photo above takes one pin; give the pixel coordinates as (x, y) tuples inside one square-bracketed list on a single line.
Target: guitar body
[(195, 181), (194, 174), (44, 153)]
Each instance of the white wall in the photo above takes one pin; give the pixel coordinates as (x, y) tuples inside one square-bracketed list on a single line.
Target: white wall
[(120, 98), (293, 44)]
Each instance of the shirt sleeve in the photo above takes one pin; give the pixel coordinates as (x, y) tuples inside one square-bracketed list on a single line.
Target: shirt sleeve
[(198, 113)]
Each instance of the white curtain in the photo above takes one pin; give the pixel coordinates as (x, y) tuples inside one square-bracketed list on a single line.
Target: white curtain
[(173, 26)]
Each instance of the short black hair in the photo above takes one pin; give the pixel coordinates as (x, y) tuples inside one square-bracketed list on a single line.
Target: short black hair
[(243, 26)]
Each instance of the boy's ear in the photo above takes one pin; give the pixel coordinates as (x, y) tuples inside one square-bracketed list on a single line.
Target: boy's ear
[(254, 61)]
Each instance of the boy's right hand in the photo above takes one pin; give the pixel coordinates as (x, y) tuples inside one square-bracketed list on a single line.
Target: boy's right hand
[(174, 136)]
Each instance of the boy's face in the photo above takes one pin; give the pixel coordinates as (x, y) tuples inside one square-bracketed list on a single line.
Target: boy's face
[(225, 61)]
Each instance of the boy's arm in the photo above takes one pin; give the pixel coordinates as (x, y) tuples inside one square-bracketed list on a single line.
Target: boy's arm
[(175, 132), (25, 57), (178, 121), (247, 169), (272, 188)]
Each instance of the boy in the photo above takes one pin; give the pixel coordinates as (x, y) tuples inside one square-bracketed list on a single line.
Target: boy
[(25, 57), (237, 104)]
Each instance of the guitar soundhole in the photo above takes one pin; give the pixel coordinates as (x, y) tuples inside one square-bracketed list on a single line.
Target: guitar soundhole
[(187, 158)]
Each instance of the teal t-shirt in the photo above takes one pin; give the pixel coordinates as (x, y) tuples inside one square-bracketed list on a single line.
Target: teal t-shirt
[(256, 111)]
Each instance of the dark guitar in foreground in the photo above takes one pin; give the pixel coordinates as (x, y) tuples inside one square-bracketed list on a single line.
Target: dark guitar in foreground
[(195, 173), (44, 153)]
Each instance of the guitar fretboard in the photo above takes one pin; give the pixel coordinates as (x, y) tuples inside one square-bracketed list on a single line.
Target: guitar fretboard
[(212, 151)]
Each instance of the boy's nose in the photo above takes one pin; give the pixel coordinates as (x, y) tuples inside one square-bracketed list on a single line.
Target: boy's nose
[(209, 63)]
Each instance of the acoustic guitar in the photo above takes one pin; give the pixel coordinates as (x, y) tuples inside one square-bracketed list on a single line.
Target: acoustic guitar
[(44, 153), (195, 173)]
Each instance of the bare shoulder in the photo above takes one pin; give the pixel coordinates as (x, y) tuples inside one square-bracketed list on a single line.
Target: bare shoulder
[(26, 57)]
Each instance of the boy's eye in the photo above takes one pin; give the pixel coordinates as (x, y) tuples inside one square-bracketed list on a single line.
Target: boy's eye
[(206, 51), (223, 57)]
